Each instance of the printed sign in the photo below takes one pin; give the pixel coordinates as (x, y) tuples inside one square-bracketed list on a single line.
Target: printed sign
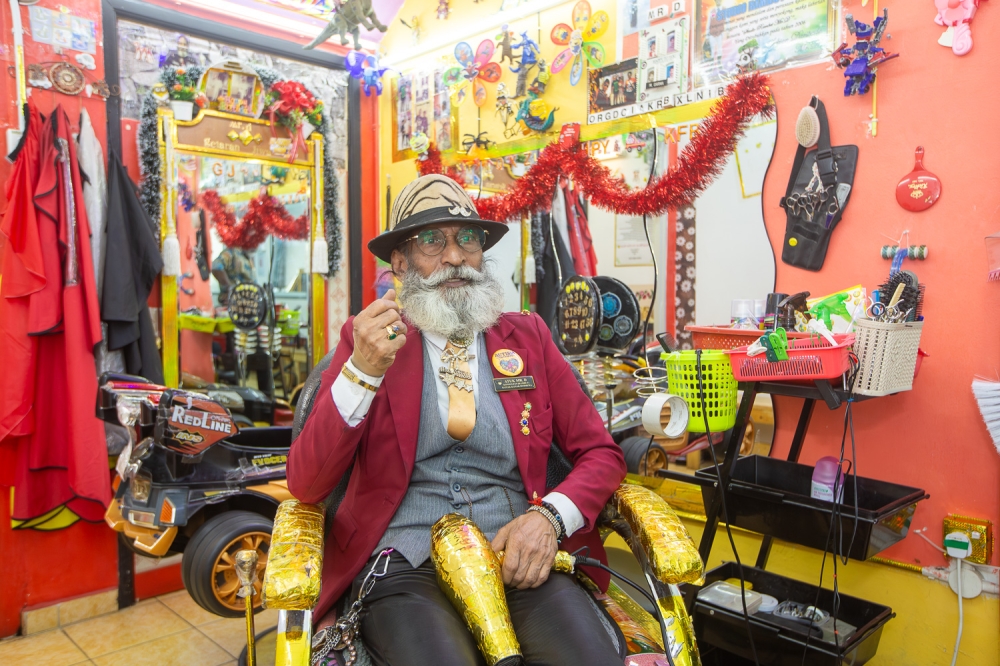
[(188, 423)]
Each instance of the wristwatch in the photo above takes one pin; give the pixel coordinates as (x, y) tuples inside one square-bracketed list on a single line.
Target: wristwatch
[(357, 380)]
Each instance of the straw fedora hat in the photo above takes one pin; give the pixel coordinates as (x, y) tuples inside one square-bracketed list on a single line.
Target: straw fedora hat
[(429, 200)]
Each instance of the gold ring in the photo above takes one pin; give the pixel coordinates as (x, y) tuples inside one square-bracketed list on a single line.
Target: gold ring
[(391, 331)]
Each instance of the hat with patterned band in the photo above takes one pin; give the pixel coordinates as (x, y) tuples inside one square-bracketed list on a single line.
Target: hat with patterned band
[(430, 200)]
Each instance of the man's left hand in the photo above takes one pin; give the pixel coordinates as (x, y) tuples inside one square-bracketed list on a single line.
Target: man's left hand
[(529, 544)]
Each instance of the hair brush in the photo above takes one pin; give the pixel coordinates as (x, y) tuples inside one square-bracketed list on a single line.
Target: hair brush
[(807, 127), (911, 297)]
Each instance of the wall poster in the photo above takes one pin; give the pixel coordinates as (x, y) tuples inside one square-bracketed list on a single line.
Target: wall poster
[(631, 248), (663, 59), (773, 33), (421, 102)]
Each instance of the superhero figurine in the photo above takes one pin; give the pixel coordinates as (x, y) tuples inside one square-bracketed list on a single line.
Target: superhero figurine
[(860, 62), (527, 60)]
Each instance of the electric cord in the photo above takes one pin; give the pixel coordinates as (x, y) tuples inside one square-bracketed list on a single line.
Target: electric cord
[(652, 300), (836, 526), (725, 509), (591, 562), (961, 618)]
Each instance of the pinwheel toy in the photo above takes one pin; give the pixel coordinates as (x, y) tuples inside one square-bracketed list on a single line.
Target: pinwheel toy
[(474, 68), (365, 68), (579, 40)]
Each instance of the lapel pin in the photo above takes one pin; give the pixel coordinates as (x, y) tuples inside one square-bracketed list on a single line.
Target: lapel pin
[(524, 418), (507, 362)]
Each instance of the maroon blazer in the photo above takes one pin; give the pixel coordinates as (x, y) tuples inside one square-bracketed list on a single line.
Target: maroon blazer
[(383, 446)]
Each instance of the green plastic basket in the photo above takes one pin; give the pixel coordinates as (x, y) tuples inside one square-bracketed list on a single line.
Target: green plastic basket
[(719, 384)]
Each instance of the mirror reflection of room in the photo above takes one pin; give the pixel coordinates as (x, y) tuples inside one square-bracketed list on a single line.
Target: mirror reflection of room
[(220, 250)]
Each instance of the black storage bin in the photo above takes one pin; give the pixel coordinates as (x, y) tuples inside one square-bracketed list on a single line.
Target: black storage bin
[(771, 496), (781, 644)]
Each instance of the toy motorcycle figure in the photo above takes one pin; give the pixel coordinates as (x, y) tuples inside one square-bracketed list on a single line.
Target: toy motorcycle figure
[(191, 481)]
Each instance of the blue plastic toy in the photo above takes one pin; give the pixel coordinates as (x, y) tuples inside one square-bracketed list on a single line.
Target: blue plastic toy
[(860, 62)]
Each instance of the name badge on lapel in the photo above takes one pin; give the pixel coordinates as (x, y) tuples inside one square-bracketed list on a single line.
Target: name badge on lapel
[(525, 383)]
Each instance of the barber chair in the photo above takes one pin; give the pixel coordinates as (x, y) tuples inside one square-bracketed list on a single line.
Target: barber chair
[(666, 557)]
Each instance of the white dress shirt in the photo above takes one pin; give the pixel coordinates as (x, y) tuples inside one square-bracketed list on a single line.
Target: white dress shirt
[(353, 402)]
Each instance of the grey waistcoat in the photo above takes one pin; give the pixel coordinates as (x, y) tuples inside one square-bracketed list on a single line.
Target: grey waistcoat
[(448, 474)]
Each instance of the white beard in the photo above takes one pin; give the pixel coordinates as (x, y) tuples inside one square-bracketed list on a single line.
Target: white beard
[(452, 312)]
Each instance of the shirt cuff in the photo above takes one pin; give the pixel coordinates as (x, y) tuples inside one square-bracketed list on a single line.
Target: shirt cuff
[(571, 516), (353, 400)]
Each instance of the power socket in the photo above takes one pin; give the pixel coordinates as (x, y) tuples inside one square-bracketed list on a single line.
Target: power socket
[(979, 531)]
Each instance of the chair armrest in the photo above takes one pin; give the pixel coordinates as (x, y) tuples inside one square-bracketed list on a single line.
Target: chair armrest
[(295, 557), (654, 533)]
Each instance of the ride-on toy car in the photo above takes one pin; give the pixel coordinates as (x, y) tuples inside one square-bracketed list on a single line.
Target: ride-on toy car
[(191, 481)]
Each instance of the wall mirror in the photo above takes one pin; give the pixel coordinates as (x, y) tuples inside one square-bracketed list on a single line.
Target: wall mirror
[(245, 210)]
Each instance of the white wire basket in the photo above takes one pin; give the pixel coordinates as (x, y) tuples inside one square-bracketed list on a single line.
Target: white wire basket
[(887, 356)]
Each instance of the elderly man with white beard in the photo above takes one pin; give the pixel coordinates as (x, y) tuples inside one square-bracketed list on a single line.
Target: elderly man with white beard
[(442, 403)]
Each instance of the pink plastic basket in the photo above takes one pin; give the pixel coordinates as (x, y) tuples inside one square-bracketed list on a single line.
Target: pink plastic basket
[(808, 358)]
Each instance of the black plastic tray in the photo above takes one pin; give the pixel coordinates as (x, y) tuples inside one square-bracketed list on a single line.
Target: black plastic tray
[(771, 496), (777, 644)]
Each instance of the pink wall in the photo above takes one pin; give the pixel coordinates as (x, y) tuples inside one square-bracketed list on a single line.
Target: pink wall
[(933, 436)]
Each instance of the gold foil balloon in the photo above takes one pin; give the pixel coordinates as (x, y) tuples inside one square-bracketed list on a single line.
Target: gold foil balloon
[(469, 573), (295, 557), (672, 554)]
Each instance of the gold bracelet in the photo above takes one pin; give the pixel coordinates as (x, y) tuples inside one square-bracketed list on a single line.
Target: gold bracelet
[(357, 380)]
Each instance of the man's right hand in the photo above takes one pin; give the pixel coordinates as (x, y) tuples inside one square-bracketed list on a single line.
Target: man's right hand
[(374, 352)]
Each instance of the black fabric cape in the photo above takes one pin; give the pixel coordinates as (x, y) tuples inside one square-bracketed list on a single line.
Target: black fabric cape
[(555, 271), (131, 263)]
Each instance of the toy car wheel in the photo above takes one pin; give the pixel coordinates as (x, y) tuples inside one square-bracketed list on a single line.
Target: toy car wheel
[(208, 567), (643, 457)]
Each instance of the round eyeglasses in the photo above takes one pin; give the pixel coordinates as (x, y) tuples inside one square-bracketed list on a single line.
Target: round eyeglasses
[(432, 242)]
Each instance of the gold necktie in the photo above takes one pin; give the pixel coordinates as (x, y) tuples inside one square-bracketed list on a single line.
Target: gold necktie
[(461, 402)]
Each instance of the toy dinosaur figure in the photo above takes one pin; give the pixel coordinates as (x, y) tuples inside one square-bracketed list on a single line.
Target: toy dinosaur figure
[(350, 14), (504, 44)]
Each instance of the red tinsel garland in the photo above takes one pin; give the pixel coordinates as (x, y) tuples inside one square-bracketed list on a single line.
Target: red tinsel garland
[(265, 216), (432, 164), (701, 161)]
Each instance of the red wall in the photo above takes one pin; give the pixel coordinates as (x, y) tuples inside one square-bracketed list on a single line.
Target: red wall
[(933, 436), (44, 567)]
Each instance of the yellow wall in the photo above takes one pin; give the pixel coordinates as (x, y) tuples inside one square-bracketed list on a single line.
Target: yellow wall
[(923, 632)]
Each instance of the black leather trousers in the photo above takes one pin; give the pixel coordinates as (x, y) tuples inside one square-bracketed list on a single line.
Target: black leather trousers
[(408, 621)]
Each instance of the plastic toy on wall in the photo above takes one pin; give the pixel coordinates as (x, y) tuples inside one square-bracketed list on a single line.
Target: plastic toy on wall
[(535, 115), (527, 59), (475, 68), (366, 69), (586, 26), (956, 16), (860, 62), (350, 15)]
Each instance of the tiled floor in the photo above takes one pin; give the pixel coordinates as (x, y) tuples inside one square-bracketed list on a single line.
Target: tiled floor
[(171, 630)]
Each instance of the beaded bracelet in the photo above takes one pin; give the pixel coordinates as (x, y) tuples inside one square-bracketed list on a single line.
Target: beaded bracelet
[(551, 517), (555, 512)]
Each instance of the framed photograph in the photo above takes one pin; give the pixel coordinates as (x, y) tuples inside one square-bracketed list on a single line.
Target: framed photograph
[(612, 88), (233, 87)]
